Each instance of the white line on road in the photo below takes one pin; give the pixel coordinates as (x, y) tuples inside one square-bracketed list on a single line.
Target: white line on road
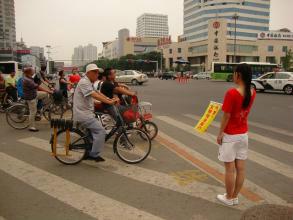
[(256, 157), (262, 139), (255, 124), (196, 189), (87, 201), (268, 196)]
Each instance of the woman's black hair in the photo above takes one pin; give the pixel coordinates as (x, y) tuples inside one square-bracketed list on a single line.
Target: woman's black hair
[(246, 75), (61, 72)]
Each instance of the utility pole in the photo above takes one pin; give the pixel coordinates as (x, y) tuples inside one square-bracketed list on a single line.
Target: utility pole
[(162, 51), (235, 17)]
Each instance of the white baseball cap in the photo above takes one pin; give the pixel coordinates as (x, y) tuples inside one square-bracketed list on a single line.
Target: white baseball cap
[(93, 66)]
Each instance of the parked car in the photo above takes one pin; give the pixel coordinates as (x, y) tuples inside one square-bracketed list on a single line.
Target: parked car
[(131, 76), (280, 81), (202, 75), (168, 75)]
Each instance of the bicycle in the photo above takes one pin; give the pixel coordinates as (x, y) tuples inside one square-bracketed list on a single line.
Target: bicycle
[(71, 143), (5, 101), (17, 116), (144, 117)]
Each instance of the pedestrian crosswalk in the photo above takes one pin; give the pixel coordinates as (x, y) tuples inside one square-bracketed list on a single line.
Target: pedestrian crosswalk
[(81, 198), (254, 156), (100, 206), (159, 179)]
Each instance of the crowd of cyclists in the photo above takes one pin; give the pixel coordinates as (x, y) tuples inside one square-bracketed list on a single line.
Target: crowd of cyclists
[(96, 90)]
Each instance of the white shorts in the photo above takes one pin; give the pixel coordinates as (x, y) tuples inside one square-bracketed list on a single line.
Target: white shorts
[(233, 147)]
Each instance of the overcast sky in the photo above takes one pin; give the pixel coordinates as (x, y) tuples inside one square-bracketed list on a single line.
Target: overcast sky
[(65, 24)]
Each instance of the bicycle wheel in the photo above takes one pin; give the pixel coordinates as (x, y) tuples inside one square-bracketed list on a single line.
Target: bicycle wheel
[(77, 147), (132, 146), (17, 116), (151, 129)]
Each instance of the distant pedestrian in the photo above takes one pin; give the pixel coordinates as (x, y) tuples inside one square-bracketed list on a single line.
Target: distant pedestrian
[(74, 78), (10, 85), (233, 137), (63, 84), (2, 83)]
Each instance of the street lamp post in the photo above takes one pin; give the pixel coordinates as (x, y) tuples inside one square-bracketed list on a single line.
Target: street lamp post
[(162, 51), (235, 17)]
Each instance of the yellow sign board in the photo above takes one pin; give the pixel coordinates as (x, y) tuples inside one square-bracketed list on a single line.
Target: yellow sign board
[(209, 116)]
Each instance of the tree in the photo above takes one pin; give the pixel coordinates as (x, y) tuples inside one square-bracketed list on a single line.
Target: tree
[(287, 61), (130, 61)]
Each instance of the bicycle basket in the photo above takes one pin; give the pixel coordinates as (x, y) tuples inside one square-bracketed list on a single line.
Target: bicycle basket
[(145, 110), (131, 114), (58, 97)]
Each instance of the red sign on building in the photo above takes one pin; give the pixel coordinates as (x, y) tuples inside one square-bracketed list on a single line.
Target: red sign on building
[(23, 51), (216, 25)]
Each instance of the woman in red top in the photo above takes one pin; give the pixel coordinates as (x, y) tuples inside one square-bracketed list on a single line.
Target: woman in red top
[(233, 138), (74, 77)]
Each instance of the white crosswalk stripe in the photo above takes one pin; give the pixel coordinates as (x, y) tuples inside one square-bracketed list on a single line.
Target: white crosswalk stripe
[(256, 157), (88, 202), (196, 189), (268, 196), (254, 136)]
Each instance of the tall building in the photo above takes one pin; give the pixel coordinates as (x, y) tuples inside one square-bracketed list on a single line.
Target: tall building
[(7, 29), (252, 17), (90, 53), (83, 55), (39, 53), (152, 25), (125, 44)]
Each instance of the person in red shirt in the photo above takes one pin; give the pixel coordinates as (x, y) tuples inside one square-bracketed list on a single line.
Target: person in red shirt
[(74, 77), (233, 137)]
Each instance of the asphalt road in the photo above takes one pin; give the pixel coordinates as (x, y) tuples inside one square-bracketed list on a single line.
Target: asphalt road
[(179, 181)]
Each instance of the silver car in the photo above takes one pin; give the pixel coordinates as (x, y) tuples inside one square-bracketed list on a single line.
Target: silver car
[(202, 75), (131, 76)]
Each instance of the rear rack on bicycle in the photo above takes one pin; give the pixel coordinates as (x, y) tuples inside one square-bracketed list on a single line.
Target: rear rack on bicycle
[(59, 125)]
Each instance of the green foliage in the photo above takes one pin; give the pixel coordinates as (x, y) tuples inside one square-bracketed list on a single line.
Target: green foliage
[(287, 61), (133, 62)]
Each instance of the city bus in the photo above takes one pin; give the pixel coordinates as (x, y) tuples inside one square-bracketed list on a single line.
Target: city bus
[(224, 71), (6, 67)]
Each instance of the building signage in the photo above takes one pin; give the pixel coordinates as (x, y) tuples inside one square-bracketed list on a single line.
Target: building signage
[(164, 41), (134, 39), (216, 46), (216, 25), (23, 51), (273, 35)]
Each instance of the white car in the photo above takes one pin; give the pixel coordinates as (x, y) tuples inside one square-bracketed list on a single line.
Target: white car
[(202, 75), (131, 76), (280, 81)]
